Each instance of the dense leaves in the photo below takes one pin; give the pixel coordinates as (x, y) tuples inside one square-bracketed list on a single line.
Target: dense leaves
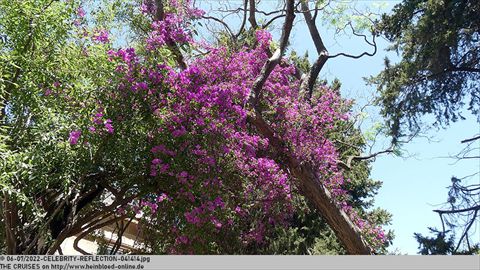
[(439, 70)]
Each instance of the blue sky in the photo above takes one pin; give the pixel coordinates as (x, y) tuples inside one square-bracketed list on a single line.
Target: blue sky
[(415, 184)]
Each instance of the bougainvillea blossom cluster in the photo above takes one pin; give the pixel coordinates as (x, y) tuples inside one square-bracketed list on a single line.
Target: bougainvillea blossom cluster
[(208, 162)]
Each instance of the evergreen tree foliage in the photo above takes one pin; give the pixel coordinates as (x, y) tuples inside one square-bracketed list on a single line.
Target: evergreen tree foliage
[(439, 70)]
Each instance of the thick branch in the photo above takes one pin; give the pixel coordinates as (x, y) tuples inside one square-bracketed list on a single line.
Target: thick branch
[(276, 57), (77, 227), (91, 229), (309, 81), (251, 18), (10, 224), (107, 209), (44, 226), (311, 187), (312, 28), (308, 181)]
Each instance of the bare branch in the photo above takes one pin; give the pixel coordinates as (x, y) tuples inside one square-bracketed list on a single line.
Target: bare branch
[(251, 18), (221, 22), (265, 25), (471, 139), (271, 12), (373, 44), (454, 211), (348, 165), (244, 20), (465, 232), (309, 81)]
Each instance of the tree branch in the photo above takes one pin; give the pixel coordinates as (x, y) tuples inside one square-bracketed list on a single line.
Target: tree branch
[(471, 139), (232, 36), (373, 44), (348, 165), (77, 227), (307, 180), (311, 187), (91, 229), (473, 208), (465, 232), (276, 57), (265, 25), (10, 224), (308, 82), (121, 231), (44, 226), (244, 20), (251, 18)]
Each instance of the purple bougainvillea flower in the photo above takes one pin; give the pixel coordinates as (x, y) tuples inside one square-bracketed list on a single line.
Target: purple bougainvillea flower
[(101, 36), (80, 12), (108, 126), (74, 136)]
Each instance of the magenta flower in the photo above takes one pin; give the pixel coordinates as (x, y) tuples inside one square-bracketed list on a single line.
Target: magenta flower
[(108, 126), (162, 197), (179, 132), (217, 223), (182, 240), (80, 12), (97, 118), (74, 136), (101, 36)]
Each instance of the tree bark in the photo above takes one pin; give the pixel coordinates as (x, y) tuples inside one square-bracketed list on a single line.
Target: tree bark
[(311, 187)]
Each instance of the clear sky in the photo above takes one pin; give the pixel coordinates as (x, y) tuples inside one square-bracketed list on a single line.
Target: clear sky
[(415, 184)]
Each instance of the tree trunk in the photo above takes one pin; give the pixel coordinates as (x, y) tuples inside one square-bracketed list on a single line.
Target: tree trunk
[(311, 187)]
